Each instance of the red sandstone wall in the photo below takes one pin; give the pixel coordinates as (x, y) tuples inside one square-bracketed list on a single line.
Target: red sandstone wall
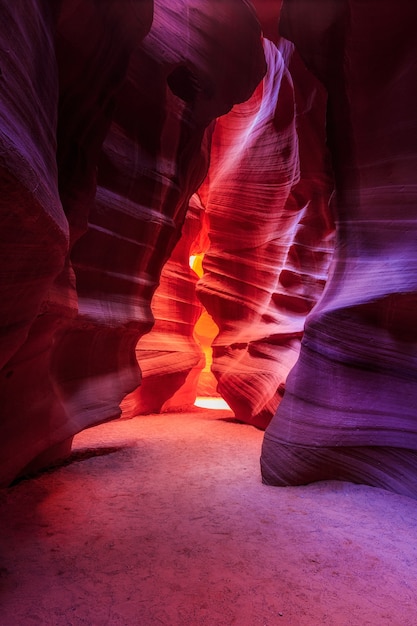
[(103, 113), (266, 196), (169, 357), (66, 64), (86, 233), (248, 183)]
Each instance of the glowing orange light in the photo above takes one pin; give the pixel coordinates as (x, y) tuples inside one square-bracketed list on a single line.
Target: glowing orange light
[(196, 264), (217, 404), (205, 331), (192, 260)]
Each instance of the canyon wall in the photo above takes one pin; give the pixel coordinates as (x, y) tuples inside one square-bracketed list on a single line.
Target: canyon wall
[(349, 410), (266, 197), (169, 357), (103, 115), (64, 65), (135, 134), (267, 238)]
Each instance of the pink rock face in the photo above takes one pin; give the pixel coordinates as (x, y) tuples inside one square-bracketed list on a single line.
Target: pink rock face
[(268, 12), (91, 35), (267, 262), (130, 122), (349, 410)]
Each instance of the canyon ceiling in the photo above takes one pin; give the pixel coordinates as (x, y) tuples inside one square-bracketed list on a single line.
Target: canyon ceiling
[(277, 143)]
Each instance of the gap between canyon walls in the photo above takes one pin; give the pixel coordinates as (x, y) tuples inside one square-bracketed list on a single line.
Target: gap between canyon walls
[(262, 222), (133, 135), (153, 137)]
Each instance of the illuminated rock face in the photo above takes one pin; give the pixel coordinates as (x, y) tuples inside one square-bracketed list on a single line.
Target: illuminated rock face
[(349, 410), (86, 233), (269, 235), (169, 358)]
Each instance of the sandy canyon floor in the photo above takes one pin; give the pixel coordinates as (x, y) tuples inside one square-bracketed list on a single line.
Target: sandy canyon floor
[(163, 520)]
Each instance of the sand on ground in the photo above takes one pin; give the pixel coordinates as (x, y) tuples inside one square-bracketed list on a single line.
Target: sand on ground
[(163, 520)]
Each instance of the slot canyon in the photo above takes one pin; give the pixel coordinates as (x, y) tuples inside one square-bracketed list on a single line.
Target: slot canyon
[(209, 202)]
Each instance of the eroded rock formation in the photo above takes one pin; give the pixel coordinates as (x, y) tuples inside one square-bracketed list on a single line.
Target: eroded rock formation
[(64, 66), (86, 234), (269, 234), (34, 231), (349, 410), (251, 372), (107, 130), (169, 357)]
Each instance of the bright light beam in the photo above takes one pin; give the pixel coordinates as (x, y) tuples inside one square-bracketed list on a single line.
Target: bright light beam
[(217, 404)]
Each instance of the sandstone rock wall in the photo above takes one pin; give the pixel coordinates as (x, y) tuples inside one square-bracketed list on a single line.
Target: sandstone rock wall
[(87, 232), (69, 60), (169, 357), (266, 197), (110, 117), (279, 268), (349, 410)]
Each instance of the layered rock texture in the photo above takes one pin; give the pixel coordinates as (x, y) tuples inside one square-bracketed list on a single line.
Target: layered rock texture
[(62, 67), (103, 114), (267, 239), (134, 134), (266, 197), (169, 357), (349, 410)]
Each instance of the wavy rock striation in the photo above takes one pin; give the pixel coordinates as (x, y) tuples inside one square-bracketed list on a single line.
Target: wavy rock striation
[(91, 229), (169, 357), (269, 235), (349, 410), (34, 231), (69, 61)]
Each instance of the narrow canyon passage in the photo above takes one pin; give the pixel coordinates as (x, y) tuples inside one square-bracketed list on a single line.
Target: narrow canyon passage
[(163, 520)]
